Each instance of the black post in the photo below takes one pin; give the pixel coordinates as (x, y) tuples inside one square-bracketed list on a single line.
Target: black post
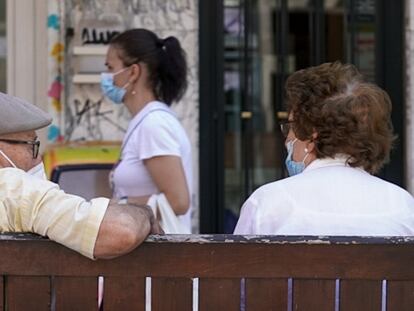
[(211, 145), (389, 75)]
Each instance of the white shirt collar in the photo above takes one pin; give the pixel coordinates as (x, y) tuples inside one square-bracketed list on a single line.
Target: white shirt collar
[(338, 160)]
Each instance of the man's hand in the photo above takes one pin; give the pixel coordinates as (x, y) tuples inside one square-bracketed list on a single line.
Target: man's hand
[(156, 228), (155, 225), (123, 228)]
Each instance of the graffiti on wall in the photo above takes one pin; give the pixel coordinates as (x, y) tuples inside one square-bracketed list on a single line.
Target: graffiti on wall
[(96, 36), (91, 114), (176, 15), (55, 62)]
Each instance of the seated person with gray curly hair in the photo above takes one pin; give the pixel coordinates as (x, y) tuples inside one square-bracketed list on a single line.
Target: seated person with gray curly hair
[(338, 134), (99, 228)]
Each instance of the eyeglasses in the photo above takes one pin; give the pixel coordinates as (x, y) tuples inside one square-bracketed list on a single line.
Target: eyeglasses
[(285, 126), (35, 145)]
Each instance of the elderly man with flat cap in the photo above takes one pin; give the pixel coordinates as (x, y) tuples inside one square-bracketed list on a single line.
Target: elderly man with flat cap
[(99, 228)]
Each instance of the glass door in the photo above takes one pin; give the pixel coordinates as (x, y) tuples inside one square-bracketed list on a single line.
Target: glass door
[(252, 143), (264, 42)]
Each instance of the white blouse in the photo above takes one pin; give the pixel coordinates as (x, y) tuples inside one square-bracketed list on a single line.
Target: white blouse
[(328, 198)]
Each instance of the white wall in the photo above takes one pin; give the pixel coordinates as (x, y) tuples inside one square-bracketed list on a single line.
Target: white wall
[(409, 93), (27, 52)]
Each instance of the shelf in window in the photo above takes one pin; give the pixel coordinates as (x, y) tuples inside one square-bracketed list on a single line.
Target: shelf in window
[(87, 78), (90, 50)]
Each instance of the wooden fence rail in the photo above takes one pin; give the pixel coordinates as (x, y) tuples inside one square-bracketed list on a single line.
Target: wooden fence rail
[(222, 272)]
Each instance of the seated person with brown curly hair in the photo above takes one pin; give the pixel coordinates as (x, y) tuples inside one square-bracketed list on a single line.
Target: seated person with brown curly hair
[(338, 134)]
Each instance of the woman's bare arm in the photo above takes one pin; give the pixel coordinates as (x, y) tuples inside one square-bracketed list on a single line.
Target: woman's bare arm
[(168, 174)]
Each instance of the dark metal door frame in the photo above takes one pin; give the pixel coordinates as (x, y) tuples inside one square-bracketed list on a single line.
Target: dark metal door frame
[(211, 144), (389, 75)]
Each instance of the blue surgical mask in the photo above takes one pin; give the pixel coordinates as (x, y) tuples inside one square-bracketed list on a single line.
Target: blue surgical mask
[(294, 167), (110, 90)]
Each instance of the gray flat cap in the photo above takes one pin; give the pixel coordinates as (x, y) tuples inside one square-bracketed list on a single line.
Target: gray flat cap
[(18, 115)]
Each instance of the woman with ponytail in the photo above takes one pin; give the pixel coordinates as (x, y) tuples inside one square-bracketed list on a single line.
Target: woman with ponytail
[(147, 74)]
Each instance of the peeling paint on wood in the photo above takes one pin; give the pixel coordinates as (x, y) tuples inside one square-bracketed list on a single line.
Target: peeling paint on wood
[(276, 239), (244, 239), (273, 239), (11, 236)]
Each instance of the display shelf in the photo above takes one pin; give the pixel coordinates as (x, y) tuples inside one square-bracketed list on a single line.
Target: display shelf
[(86, 78), (90, 50)]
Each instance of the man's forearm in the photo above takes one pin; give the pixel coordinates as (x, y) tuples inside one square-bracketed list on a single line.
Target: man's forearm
[(123, 228)]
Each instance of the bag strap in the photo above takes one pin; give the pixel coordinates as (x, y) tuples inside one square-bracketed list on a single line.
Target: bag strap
[(138, 123)]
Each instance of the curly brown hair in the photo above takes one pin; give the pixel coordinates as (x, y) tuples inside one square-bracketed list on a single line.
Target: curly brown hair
[(332, 106)]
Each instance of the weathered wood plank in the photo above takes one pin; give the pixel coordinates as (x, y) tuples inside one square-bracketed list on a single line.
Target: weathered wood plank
[(76, 293), (360, 295), (124, 293), (400, 295), (393, 261), (247, 239), (219, 294), (266, 294), (27, 293), (168, 294), (313, 295)]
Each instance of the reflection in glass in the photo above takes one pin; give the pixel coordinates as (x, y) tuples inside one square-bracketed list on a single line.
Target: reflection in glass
[(3, 47), (265, 41), (233, 175), (361, 36), (252, 138)]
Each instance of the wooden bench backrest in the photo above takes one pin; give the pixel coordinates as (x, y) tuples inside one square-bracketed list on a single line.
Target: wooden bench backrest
[(262, 273)]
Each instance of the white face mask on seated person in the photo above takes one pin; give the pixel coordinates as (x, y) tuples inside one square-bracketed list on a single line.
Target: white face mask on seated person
[(37, 171)]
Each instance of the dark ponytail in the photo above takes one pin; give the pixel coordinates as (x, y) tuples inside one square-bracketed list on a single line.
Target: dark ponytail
[(173, 71), (165, 60)]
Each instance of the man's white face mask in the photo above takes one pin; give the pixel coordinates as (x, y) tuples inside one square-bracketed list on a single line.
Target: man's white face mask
[(37, 171)]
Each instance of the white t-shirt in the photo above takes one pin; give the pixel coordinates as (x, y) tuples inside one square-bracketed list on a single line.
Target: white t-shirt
[(154, 131), (328, 198)]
